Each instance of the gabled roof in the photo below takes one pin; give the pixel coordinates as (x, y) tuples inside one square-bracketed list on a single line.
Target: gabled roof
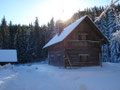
[(8, 55), (67, 30)]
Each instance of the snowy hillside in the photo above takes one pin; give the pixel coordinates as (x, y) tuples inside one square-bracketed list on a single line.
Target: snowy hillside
[(46, 77)]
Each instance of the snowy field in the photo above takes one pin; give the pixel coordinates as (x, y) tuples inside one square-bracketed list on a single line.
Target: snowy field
[(39, 76)]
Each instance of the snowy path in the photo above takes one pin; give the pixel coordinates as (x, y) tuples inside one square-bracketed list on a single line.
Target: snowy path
[(46, 77)]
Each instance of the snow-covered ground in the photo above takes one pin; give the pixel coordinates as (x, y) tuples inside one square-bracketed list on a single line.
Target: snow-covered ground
[(39, 76)]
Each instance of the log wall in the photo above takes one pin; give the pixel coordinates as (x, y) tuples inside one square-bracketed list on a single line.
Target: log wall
[(83, 46), (56, 55)]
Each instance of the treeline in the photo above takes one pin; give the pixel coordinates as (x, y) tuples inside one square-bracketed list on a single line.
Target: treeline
[(29, 40)]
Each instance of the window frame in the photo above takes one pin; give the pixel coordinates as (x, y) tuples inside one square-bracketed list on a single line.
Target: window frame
[(82, 36), (83, 57)]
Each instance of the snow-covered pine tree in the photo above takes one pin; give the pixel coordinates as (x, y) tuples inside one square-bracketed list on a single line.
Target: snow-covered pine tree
[(102, 25), (116, 41), (112, 27), (116, 38), (108, 26)]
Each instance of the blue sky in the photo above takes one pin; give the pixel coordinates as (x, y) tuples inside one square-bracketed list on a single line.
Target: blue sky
[(25, 11)]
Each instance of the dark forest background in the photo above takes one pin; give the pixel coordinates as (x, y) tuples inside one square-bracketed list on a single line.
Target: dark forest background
[(29, 40)]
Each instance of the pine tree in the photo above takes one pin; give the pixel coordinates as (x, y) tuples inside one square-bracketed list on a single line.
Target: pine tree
[(29, 55), (22, 45), (4, 34), (108, 26), (51, 29), (17, 42), (12, 32), (36, 38), (1, 38), (116, 45), (44, 52), (112, 27), (102, 25)]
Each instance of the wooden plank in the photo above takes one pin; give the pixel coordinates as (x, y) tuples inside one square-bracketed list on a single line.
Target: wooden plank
[(90, 41)]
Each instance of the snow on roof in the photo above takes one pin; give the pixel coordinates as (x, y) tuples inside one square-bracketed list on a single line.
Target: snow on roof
[(66, 31), (8, 56)]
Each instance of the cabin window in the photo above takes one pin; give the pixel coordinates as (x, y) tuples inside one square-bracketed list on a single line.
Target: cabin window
[(82, 36), (52, 57), (83, 57)]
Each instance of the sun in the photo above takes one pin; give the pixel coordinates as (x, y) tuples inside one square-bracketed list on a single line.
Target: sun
[(62, 15), (62, 9), (58, 9)]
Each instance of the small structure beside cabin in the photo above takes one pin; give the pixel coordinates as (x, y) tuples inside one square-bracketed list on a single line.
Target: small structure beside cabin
[(78, 44), (8, 56)]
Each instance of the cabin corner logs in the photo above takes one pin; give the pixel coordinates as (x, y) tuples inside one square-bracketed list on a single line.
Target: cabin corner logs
[(82, 47)]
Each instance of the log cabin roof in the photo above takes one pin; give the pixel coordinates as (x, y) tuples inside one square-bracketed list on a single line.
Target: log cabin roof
[(67, 30)]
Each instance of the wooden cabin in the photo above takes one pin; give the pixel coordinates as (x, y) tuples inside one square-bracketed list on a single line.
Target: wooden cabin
[(8, 56), (78, 44)]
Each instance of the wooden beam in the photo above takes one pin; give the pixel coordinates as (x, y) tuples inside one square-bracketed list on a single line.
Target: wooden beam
[(84, 41), (100, 59)]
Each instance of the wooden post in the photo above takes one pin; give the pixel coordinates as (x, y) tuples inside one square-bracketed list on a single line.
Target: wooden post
[(48, 58), (100, 59), (65, 62), (64, 56)]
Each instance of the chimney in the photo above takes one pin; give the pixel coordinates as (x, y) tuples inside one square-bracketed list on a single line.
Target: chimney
[(60, 28)]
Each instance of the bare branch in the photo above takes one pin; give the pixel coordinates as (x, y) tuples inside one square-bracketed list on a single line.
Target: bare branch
[(104, 12)]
